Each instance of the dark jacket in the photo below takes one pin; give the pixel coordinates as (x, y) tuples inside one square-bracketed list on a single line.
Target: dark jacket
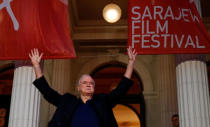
[(66, 104)]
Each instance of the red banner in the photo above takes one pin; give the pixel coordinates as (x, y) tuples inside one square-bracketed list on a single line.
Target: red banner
[(166, 27), (28, 24)]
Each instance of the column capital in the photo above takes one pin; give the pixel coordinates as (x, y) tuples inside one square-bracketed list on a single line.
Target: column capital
[(190, 57), (20, 63)]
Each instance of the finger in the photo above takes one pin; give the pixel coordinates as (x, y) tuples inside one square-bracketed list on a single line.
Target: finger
[(135, 54), (29, 55), (32, 52), (37, 52), (129, 52), (40, 57), (134, 51), (130, 49)]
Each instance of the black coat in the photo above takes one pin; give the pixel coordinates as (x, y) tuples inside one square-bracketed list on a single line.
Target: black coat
[(66, 104)]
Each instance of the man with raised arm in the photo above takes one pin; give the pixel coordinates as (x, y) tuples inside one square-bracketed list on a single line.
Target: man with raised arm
[(89, 110)]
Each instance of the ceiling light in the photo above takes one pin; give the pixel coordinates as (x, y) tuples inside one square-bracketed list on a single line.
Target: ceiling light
[(111, 13)]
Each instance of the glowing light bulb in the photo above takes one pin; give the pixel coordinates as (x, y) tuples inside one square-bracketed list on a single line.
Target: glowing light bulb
[(112, 13)]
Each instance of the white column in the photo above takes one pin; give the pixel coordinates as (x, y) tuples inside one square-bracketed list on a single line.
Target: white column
[(166, 79), (25, 101), (193, 94)]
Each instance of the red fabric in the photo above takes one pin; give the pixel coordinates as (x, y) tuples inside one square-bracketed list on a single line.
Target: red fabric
[(155, 27), (43, 24)]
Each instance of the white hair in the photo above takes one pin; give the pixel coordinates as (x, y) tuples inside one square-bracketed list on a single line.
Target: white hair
[(82, 76)]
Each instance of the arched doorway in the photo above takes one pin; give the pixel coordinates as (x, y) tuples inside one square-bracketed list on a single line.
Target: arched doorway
[(131, 119), (6, 79), (107, 77)]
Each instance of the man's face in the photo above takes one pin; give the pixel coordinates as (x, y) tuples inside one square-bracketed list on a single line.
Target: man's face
[(175, 122), (86, 86)]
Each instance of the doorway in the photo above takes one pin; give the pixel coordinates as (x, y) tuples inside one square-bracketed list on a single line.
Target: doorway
[(107, 77)]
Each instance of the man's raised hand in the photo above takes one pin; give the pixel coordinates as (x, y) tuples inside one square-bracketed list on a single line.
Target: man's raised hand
[(131, 54), (35, 60), (35, 57)]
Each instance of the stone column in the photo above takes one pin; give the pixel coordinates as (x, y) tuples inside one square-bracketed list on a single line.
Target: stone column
[(193, 94), (25, 100), (166, 79), (192, 84)]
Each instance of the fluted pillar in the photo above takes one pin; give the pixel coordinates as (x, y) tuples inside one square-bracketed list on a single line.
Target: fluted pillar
[(166, 79), (193, 92), (25, 100), (192, 84)]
